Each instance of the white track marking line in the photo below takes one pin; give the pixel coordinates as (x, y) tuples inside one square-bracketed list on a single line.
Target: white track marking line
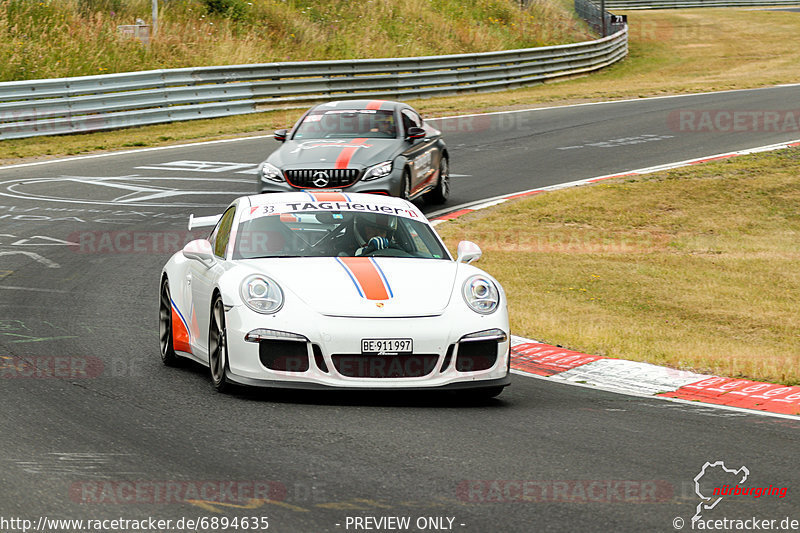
[(454, 117)]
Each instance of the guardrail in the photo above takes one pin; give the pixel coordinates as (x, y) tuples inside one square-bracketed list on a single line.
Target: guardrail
[(682, 4), (96, 103)]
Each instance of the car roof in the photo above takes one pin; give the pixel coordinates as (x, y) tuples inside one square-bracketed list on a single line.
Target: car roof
[(335, 199), (385, 105)]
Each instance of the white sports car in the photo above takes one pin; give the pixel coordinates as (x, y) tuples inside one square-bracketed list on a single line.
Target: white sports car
[(333, 290)]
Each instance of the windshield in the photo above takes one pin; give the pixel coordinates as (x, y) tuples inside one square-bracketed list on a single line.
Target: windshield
[(347, 123), (336, 234)]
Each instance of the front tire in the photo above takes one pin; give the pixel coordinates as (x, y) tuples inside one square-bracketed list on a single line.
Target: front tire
[(406, 191), (168, 355), (441, 192), (218, 346)]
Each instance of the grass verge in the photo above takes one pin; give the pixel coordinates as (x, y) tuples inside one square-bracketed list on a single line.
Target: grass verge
[(671, 52), (693, 268)]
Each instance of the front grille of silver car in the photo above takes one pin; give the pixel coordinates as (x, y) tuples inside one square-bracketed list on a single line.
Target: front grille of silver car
[(322, 178)]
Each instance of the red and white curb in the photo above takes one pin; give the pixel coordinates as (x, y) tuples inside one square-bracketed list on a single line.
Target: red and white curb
[(535, 359)]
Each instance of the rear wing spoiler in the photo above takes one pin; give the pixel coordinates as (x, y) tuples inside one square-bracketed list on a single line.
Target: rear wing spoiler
[(203, 222)]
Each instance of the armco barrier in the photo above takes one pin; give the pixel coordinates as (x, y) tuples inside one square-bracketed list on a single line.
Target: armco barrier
[(682, 4), (95, 103)]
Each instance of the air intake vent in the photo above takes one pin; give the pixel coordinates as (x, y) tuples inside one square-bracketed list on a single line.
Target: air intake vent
[(476, 355), (447, 357), (286, 356), (385, 366), (318, 359)]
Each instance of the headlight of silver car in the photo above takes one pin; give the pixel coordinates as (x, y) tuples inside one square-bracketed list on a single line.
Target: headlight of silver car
[(481, 295), (381, 170), (269, 172), (262, 294)]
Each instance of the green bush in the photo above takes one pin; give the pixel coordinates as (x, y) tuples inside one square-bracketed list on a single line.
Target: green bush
[(232, 9)]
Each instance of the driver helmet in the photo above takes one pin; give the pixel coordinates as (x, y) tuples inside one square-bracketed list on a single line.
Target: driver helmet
[(368, 225), (384, 123)]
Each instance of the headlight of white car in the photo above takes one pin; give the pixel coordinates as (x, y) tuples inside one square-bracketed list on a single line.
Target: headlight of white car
[(481, 295), (269, 172), (381, 170), (262, 294)]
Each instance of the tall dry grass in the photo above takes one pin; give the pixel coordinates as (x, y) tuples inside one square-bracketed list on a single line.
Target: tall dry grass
[(59, 38)]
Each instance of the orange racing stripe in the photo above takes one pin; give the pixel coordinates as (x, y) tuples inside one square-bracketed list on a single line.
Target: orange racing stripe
[(180, 333), (367, 277), (329, 197)]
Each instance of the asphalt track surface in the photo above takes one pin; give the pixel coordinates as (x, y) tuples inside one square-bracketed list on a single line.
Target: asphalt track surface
[(586, 460)]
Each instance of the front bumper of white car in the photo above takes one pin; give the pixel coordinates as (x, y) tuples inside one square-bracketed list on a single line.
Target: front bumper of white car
[(450, 351)]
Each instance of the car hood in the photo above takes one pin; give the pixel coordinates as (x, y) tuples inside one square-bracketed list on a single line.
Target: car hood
[(365, 287), (324, 153)]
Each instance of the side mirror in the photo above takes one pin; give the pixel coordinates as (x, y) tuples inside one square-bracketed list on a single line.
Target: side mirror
[(468, 252), (280, 135), (199, 250), (415, 133)]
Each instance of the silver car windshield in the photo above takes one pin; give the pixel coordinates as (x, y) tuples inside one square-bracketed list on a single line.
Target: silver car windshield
[(347, 123), (336, 234)]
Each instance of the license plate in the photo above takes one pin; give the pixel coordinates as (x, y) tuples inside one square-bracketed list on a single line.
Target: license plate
[(386, 346)]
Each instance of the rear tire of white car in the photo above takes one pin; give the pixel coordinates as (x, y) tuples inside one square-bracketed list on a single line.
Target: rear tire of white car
[(441, 192), (168, 355), (218, 346)]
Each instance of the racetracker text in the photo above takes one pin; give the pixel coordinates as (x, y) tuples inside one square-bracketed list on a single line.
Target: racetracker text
[(44, 524)]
